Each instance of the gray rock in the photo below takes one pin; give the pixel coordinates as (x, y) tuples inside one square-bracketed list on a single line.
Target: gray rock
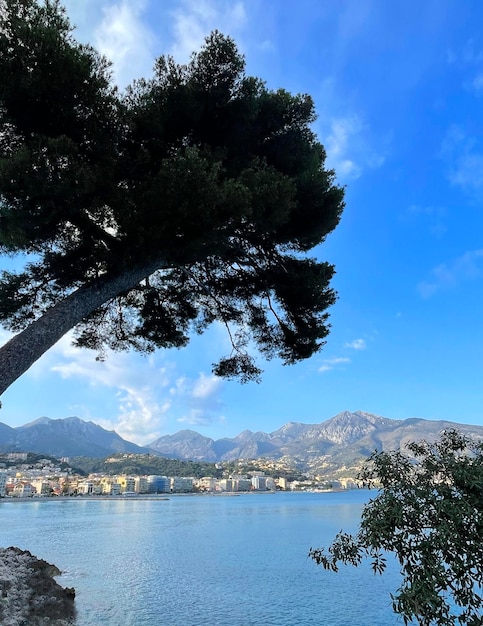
[(29, 595)]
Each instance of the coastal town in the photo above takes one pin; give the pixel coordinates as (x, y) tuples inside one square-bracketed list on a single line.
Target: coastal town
[(21, 477)]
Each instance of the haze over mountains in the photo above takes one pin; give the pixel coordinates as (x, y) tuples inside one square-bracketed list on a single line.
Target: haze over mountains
[(332, 446), (70, 436)]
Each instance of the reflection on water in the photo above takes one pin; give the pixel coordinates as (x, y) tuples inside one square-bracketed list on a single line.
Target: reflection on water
[(203, 560)]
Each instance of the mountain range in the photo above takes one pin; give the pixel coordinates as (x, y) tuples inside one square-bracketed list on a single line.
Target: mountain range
[(331, 447), (66, 437)]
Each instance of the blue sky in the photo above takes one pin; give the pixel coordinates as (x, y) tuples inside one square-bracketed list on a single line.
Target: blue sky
[(398, 87)]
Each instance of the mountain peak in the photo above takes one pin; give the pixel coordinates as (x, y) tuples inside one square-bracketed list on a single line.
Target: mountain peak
[(70, 436), (39, 420), (340, 443)]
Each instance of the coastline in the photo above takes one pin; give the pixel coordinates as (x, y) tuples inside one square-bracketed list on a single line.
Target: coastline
[(161, 497), (29, 592)]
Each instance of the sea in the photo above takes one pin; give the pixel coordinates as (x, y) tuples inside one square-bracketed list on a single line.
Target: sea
[(204, 560)]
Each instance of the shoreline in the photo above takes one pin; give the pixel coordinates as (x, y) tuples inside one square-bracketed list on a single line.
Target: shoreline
[(161, 497), (30, 593)]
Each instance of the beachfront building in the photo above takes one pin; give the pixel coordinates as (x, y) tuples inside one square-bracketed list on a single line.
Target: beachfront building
[(241, 483), (259, 483), (3, 484), (159, 484), (181, 484), (128, 483), (41, 487), (22, 489), (141, 484), (85, 488), (207, 483), (110, 486)]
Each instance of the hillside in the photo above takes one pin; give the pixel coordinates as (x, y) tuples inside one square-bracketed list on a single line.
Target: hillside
[(332, 448), (66, 437)]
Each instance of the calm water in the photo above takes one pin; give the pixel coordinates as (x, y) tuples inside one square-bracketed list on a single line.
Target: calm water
[(203, 560)]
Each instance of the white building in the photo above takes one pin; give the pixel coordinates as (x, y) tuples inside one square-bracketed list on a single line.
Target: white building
[(259, 483), (86, 487), (41, 487), (207, 483), (241, 484), (141, 484), (181, 484), (3, 483), (22, 489)]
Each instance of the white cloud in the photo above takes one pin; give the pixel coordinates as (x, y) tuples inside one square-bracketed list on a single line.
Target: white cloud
[(469, 61), (193, 20), (356, 344), (434, 217), (147, 396), (140, 398), (471, 55), (348, 152), (337, 145), (469, 266), (200, 399), (477, 83), (464, 157), (468, 172), (206, 387), (144, 396), (124, 39), (267, 46), (140, 411), (329, 364), (140, 416)]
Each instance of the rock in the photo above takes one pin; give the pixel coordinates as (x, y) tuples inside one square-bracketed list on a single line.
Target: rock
[(29, 595)]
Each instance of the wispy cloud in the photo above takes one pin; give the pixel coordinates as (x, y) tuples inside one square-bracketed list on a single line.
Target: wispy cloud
[(125, 39), (140, 398), (472, 54), (347, 147), (432, 217), (477, 83), (141, 413), (337, 145), (470, 61), (356, 344), (467, 267), (193, 20), (200, 399), (330, 364), (468, 54), (464, 157)]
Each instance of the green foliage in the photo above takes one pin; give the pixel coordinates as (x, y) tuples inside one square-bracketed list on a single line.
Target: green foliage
[(429, 512), (200, 172), (31, 460), (234, 467), (145, 464)]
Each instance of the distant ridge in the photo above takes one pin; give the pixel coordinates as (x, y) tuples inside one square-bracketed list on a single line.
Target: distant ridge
[(65, 437), (333, 447)]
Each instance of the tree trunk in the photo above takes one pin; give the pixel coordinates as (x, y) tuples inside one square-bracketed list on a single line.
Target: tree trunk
[(18, 354)]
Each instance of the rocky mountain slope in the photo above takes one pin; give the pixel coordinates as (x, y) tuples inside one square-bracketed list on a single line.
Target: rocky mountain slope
[(331, 447), (66, 437)]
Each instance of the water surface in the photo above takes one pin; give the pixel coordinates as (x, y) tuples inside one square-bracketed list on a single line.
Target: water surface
[(203, 560)]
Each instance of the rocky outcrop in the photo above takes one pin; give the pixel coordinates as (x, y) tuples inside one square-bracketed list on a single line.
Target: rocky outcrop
[(339, 443), (29, 595)]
